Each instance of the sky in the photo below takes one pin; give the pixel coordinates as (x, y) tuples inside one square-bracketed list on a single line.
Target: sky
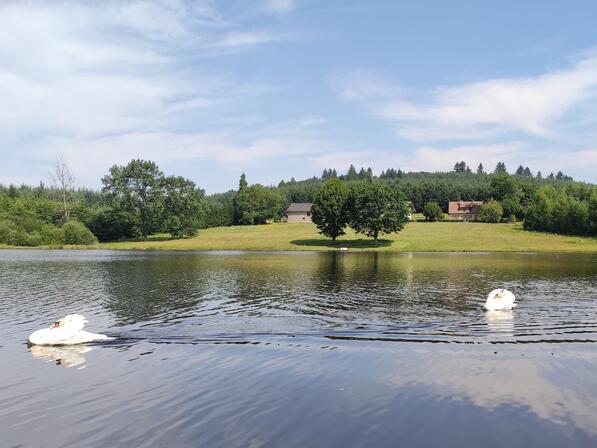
[(281, 88)]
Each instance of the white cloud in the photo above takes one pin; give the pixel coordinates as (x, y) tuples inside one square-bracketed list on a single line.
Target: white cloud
[(101, 153), (107, 81), (247, 39), (429, 158), (532, 106), (111, 67), (279, 6), (438, 158)]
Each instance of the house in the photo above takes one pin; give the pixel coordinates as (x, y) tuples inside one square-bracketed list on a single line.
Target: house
[(464, 210), (298, 212)]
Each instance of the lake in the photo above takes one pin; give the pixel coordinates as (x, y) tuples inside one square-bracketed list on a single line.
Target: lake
[(226, 349)]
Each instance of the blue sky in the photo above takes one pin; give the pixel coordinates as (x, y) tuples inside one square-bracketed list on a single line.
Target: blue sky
[(281, 88)]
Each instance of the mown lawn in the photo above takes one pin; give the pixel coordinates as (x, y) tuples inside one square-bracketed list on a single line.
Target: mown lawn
[(417, 236)]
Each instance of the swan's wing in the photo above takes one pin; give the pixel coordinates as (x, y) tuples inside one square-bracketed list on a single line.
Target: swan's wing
[(75, 321)]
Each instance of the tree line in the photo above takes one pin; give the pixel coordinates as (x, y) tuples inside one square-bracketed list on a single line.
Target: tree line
[(138, 200)]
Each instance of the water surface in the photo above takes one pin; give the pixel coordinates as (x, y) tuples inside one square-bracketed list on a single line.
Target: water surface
[(299, 349)]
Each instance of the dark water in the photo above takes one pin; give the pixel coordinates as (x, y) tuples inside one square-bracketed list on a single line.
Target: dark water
[(299, 350)]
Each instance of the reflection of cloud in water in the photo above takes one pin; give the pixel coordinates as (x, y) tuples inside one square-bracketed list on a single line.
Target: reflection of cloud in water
[(553, 388), (500, 321), (66, 356)]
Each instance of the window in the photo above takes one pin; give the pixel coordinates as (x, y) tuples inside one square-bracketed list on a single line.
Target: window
[(308, 213)]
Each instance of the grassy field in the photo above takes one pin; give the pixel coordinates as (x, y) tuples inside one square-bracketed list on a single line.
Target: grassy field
[(417, 236)]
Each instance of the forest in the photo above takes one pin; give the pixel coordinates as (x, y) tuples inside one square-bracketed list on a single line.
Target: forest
[(138, 200)]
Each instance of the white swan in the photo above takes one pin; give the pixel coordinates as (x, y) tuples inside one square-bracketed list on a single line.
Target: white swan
[(66, 331), (499, 299)]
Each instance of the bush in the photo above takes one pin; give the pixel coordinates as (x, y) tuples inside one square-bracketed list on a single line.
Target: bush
[(512, 219), (112, 225), (432, 211), (51, 235), (75, 232), (511, 206), (491, 211)]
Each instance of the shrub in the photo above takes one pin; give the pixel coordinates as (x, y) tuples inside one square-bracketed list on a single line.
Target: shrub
[(51, 235), (112, 225), (512, 219), (511, 206), (491, 211), (75, 232), (432, 211)]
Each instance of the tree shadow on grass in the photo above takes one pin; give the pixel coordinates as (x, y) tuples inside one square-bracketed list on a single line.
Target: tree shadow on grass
[(156, 237), (349, 244)]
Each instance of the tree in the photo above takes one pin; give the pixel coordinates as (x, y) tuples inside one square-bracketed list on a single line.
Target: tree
[(183, 206), (432, 212), (511, 206), (112, 224), (64, 182), (242, 183), (376, 208), (539, 175), (592, 212), (500, 168), (137, 188), (491, 211), (460, 167), (352, 173), (480, 169), (329, 211), (257, 204), (502, 185), (527, 172), (520, 170), (236, 213)]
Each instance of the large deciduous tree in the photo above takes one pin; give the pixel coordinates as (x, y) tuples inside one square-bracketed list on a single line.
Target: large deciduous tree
[(138, 189), (258, 204), (329, 211), (376, 208), (183, 206)]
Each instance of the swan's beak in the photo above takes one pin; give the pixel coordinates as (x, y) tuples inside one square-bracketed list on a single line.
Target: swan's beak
[(55, 324)]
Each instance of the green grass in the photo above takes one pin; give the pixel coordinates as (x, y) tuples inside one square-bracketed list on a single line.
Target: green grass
[(417, 237)]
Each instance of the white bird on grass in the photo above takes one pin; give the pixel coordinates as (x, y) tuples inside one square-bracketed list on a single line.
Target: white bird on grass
[(499, 299), (66, 331)]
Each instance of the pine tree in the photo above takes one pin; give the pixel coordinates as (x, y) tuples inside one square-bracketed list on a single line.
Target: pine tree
[(242, 183), (480, 169), (352, 173), (500, 168)]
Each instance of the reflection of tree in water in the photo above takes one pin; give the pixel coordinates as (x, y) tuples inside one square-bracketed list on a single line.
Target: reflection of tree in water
[(333, 288), (141, 289)]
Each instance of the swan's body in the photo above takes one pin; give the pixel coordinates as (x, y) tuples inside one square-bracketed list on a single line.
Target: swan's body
[(66, 331), (499, 299)]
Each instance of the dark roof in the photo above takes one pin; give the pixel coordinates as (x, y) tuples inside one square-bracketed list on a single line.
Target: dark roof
[(299, 207)]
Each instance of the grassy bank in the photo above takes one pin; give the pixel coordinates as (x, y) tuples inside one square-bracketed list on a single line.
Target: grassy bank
[(417, 236)]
